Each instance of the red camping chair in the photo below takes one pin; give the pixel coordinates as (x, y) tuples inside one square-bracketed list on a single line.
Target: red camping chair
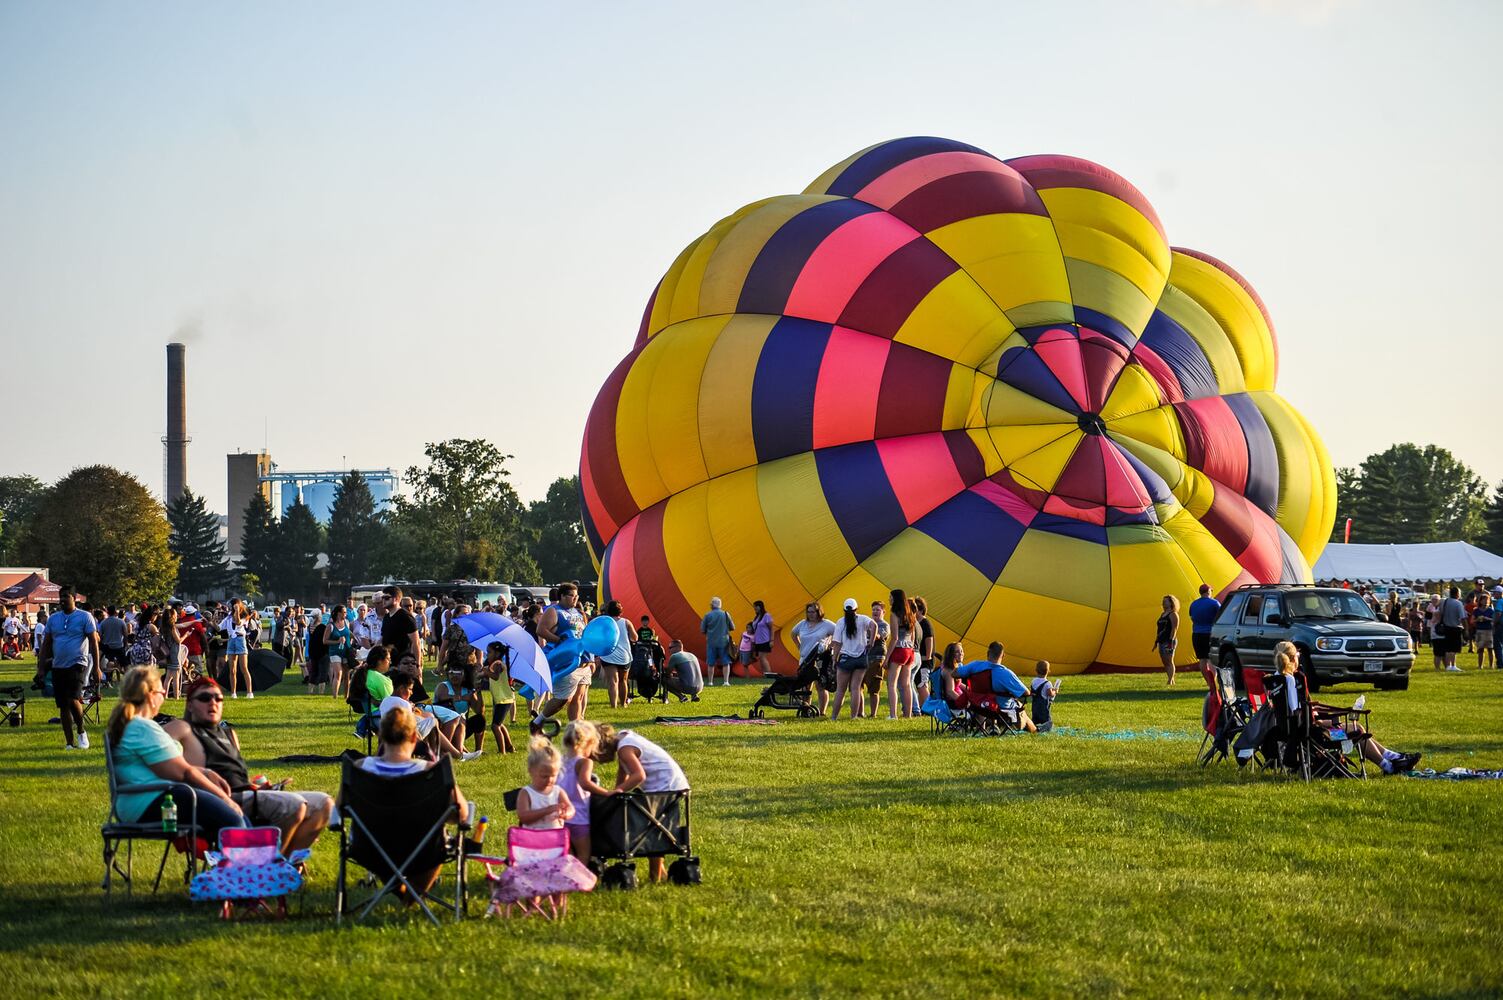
[(1257, 694)]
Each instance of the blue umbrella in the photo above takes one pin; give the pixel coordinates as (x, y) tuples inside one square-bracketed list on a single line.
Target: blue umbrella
[(528, 664)]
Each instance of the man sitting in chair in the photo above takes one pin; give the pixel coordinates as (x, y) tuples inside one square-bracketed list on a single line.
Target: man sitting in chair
[(1005, 684), (212, 744)]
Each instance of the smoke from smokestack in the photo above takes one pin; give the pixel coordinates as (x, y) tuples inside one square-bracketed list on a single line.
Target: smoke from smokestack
[(176, 440)]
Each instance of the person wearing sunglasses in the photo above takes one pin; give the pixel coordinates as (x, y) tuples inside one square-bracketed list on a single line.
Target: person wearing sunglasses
[(211, 743), (144, 752)]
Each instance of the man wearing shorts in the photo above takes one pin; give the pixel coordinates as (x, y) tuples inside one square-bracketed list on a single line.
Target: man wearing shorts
[(1203, 613), (716, 626), (211, 743), (70, 650), (563, 621)]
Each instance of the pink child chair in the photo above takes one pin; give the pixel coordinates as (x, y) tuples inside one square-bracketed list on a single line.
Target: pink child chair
[(538, 866)]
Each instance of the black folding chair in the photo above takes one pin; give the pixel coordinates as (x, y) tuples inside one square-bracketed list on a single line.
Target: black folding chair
[(12, 705), (1308, 749), (638, 824), (116, 831), (382, 819)]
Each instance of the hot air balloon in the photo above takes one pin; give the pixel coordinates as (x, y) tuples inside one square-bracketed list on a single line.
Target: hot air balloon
[(989, 382)]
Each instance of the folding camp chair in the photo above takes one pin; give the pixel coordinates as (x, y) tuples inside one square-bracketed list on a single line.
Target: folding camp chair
[(637, 824), (91, 700), (1257, 693), (248, 869), (12, 705), (1308, 749), (115, 830), (382, 819), (1223, 716)]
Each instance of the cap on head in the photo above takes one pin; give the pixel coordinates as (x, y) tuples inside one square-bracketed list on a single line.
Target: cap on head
[(850, 604), (199, 685)]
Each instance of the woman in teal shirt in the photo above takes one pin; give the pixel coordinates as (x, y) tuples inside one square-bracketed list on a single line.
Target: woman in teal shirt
[(144, 752)]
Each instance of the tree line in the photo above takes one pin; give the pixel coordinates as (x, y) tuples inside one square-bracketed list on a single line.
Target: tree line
[(1408, 493), (102, 531)]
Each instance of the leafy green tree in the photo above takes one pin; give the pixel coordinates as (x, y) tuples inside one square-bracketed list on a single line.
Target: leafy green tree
[(356, 532), (300, 540), (250, 586), (19, 496), (202, 563), (1348, 480), (1493, 539), (463, 517), (101, 531), (558, 541), (260, 542), (1412, 494)]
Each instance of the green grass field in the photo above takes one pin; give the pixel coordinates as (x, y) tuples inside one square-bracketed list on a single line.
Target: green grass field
[(858, 859)]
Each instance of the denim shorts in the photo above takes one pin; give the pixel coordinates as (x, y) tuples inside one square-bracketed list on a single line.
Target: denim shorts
[(236, 646), (849, 664)]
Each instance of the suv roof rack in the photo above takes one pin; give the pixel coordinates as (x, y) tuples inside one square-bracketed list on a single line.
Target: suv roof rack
[(1276, 586)]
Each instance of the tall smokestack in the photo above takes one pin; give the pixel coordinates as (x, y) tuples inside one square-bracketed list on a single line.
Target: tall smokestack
[(177, 422)]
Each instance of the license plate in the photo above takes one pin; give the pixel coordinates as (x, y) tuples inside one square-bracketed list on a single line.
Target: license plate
[(1372, 666)]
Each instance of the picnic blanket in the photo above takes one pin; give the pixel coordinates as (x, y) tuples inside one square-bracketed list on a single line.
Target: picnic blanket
[(712, 720), (1456, 774), (1151, 733)]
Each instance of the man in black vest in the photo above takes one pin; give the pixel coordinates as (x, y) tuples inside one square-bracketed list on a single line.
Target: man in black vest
[(211, 743)]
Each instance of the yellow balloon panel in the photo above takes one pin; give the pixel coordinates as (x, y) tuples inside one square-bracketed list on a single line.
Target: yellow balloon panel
[(1033, 626), (1144, 567), (951, 586), (725, 393), (790, 496)]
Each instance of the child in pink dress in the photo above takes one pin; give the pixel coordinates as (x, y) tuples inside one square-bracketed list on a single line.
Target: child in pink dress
[(537, 872), (581, 739)]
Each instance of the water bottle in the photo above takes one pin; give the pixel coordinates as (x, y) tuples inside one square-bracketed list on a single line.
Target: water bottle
[(1359, 703), (169, 815)]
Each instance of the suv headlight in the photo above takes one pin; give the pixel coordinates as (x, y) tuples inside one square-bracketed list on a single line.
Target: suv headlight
[(1401, 642), (1329, 643)]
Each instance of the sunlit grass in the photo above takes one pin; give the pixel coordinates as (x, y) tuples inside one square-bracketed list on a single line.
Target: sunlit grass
[(865, 858)]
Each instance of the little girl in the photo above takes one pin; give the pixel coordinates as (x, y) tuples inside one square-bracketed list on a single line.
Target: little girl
[(1043, 697), (541, 805), (581, 740)]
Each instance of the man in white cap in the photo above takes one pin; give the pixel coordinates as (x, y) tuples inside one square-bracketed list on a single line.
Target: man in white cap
[(716, 626)]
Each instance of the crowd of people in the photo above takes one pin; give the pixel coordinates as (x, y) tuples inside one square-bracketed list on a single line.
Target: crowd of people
[(374, 654)]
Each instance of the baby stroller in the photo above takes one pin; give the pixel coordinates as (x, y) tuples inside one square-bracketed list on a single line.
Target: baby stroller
[(646, 672), (792, 694)]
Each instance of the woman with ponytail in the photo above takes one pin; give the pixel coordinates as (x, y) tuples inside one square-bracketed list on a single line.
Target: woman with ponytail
[(901, 657), (144, 752), (852, 637)]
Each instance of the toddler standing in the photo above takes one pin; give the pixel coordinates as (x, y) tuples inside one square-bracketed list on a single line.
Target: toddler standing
[(1043, 697)]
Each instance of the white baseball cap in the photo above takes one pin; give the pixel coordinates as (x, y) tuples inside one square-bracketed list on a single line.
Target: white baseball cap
[(850, 604)]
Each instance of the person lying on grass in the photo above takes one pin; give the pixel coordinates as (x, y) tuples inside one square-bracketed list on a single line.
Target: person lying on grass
[(212, 743), (440, 734), (642, 764), (399, 737)]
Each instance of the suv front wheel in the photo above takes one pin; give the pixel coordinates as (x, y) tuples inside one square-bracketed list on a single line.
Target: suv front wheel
[(1310, 677)]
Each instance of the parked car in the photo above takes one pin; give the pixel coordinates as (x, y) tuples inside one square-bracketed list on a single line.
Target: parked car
[(1336, 633)]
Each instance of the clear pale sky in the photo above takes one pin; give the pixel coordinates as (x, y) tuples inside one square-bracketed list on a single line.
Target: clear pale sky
[(383, 224)]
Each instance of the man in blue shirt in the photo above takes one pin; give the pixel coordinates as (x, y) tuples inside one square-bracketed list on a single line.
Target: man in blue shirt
[(1203, 613), (71, 650), (1004, 682)]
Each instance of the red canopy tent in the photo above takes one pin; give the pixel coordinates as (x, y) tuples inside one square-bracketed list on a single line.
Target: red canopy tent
[(34, 590)]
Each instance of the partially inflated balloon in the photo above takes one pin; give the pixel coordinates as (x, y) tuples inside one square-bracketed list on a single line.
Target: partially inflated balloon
[(989, 382)]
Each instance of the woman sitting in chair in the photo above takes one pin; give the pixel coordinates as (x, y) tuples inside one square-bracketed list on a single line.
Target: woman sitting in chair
[(144, 752), (1286, 657), (398, 740)]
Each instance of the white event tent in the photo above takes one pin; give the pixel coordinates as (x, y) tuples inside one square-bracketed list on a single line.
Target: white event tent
[(1429, 561)]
